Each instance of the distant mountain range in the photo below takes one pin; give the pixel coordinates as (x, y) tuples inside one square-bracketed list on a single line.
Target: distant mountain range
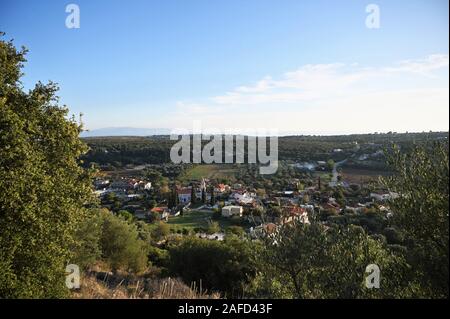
[(125, 131), (134, 131)]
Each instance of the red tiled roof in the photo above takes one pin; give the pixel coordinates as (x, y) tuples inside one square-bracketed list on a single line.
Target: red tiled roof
[(158, 209), (184, 191)]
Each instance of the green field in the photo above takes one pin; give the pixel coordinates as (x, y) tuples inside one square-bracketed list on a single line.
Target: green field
[(210, 171), (195, 219)]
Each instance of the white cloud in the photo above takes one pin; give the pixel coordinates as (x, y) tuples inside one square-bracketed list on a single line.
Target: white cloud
[(422, 66), (332, 98)]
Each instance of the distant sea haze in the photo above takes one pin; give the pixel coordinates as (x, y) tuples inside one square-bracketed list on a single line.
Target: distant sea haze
[(125, 131), (133, 131)]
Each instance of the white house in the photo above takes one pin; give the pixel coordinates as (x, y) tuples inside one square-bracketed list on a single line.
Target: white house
[(245, 198), (184, 195), (229, 211)]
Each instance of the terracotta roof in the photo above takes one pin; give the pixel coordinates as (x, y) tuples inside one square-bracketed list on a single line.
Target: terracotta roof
[(184, 191), (158, 209)]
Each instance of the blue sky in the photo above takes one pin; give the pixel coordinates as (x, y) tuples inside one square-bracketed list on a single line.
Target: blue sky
[(297, 66)]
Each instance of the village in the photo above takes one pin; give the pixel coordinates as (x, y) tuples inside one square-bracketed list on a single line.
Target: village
[(210, 208)]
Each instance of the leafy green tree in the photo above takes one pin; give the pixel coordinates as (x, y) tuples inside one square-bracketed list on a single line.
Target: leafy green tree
[(120, 244), (193, 196), (339, 196), (236, 230), (43, 188), (161, 231), (173, 200), (421, 212), (312, 261), (87, 249), (126, 215), (224, 266), (212, 200), (153, 176), (203, 196), (213, 227), (330, 164)]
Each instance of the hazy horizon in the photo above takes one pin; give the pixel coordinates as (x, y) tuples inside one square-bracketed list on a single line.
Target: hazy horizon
[(144, 132)]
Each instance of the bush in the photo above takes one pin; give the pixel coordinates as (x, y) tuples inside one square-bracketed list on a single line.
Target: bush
[(125, 215), (158, 257), (121, 246), (213, 227), (161, 231), (87, 249), (226, 266), (236, 230)]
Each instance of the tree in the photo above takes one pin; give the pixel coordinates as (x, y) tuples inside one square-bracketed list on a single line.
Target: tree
[(421, 211), (161, 231), (173, 200), (330, 164), (121, 246), (203, 196), (339, 196), (213, 197), (87, 249), (43, 188), (125, 215), (193, 196), (153, 176), (311, 261), (236, 230), (213, 227), (226, 266)]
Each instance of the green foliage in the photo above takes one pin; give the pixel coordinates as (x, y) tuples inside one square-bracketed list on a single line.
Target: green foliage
[(224, 266), (213, 227), (43, 189), (158, 257), (217, 213), (203, 196), (125, 215), (156, 149), (236, 230), (120, 244), (212, 200), (193, 196), (421, 212), (87, 249), (311, 261), (330, 164), (161, 231)]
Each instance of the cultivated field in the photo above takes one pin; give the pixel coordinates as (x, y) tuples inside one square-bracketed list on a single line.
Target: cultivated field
[(361, 176), (216, 171), (196, 219)]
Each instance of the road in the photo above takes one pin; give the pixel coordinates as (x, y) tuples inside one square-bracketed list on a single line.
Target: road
[(334, 178)]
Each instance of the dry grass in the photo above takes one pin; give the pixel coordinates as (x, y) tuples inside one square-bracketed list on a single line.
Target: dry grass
[(108, 286)]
